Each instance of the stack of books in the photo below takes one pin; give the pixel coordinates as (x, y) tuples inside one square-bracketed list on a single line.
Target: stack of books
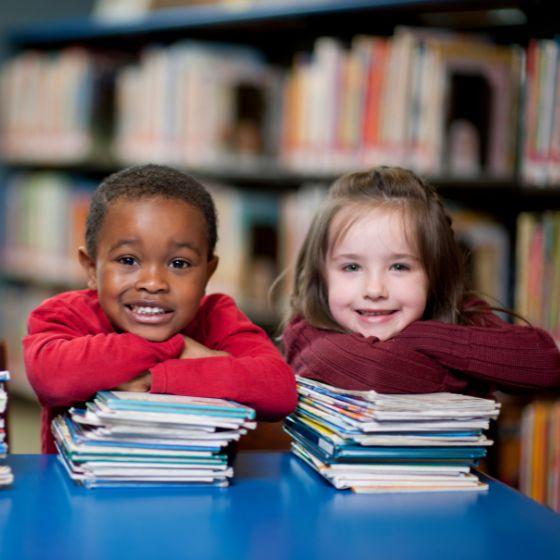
[(373, 442), (6, 476), (135, 439)]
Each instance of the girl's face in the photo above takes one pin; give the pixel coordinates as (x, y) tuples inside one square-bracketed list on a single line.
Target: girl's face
[(151, 267), (376, 282)]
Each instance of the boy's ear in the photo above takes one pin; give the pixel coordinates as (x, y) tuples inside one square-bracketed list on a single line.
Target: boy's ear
[(212, 266), (88, 264)]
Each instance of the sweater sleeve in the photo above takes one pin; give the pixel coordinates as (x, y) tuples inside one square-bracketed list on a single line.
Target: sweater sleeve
[(506, 356), (68, 358), (351, 361), (254, 373)]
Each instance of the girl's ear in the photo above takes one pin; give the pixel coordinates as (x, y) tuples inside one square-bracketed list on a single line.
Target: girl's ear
[(88, 264)]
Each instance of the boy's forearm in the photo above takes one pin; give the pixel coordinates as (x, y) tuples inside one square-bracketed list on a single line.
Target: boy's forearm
[(65, 370), (266, 384)]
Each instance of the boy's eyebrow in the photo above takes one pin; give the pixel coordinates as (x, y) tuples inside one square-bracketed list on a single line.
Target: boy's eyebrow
[(119, 243), (186, 245), (174, 245)]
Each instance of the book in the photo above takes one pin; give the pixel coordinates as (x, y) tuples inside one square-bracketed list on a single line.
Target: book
[(371, 442), (150, 402), (390, 478), (129, 439), (6, 475)]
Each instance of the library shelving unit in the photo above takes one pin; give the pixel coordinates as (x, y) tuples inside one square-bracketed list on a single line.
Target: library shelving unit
[(258, 67)]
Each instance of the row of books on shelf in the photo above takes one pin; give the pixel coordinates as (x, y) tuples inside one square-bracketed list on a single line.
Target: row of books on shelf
[(540, 452), (6, 476), (541, 150), (538, 269), (45, 215), (442, 103), (439, 102), (195, 104)]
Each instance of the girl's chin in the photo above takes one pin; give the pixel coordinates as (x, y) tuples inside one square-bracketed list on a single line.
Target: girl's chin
[(379, 333)]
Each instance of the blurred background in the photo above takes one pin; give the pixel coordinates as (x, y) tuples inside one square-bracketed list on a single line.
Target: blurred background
[(267, 102)]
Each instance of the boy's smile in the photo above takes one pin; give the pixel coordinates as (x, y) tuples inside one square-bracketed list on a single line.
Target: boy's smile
[(151, 267)]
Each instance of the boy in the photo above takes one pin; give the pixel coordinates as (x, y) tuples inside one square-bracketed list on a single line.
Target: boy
[(145, 324)]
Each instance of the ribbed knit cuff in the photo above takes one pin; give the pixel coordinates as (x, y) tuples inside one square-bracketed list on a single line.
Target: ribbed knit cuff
[(159, 379)]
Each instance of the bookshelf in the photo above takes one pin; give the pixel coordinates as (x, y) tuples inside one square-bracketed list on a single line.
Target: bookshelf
[(258, 181)]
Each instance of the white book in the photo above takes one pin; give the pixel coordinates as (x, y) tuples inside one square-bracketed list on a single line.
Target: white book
[(389, 489)]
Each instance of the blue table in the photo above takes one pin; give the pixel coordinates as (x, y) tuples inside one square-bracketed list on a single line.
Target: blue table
[(277, 508)]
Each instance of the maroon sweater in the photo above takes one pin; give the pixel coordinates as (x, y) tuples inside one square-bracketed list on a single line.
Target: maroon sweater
[(72, 351), (428, 356)]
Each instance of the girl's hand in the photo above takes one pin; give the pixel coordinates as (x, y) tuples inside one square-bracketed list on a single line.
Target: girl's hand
[(194, 349), (140, 384)]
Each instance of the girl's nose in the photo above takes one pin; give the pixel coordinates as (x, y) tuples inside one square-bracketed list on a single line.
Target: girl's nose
[(375, 287), (152, 279)]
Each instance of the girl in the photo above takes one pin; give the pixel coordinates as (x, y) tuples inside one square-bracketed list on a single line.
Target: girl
[(379, 300)]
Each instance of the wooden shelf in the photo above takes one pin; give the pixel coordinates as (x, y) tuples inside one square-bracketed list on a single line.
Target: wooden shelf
[(243, 16)]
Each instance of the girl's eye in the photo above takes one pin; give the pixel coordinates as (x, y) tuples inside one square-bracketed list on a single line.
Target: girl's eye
[(400, 267), (352, 267), (128, 261), (180, 263)]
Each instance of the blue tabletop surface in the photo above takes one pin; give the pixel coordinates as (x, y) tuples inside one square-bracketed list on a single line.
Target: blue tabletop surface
[(276, 508)]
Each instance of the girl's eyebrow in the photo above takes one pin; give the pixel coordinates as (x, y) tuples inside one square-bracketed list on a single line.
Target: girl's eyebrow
[(404, 256), (392, 256), (349, 256)]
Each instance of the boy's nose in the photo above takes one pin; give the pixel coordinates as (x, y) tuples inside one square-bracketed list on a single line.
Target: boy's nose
[(151, 279)]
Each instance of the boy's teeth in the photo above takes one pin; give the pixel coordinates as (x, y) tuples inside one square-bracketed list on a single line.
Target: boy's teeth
[(148, 310)]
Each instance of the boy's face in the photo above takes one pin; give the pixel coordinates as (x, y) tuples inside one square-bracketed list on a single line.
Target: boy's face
[(151, 267)]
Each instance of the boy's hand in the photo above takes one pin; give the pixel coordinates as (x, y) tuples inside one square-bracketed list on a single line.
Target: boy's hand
[(140, 384), (194, 349)]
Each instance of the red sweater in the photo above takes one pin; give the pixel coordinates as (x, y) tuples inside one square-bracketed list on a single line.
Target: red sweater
[(72, 351), (428, 356)]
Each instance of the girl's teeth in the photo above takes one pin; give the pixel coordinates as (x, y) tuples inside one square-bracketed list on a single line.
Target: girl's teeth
[(148, 310), (374, 313)]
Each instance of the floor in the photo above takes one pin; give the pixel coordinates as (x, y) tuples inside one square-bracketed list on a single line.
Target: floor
[(24, 425)]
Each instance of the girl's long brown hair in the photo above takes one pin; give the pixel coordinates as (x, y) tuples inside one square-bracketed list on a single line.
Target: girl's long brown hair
[(429, 229)]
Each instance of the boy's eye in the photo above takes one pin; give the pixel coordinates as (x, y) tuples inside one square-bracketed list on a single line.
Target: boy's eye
[(399, 267), (128, 261), (352, 267), (180, 263)]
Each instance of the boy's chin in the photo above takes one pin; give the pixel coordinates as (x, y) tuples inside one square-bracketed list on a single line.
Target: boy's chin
[(153, 335)]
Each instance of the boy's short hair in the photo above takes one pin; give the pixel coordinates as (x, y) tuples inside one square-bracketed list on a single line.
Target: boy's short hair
[(146, 181)]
